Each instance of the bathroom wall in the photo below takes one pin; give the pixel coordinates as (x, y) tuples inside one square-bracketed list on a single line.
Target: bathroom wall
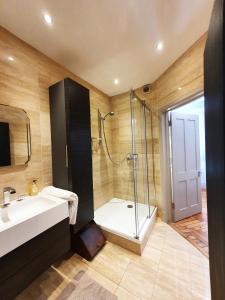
[(121, 147), (24, 83), (102, 167)]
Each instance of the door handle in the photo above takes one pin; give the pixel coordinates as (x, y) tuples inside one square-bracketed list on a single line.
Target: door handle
[(66, 155)]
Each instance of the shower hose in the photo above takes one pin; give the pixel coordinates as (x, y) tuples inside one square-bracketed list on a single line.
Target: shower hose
[(118, 162)]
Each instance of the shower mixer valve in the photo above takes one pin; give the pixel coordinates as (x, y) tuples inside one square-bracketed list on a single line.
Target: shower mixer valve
[(132, 156)]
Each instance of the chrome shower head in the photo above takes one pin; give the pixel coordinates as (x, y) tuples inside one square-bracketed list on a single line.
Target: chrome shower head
[(111, 113)]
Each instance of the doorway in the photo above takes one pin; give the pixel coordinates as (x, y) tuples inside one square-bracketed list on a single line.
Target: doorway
[(186, 134)]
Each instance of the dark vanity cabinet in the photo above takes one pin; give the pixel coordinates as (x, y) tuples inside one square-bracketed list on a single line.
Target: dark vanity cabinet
[(22, 265), (71, 145)]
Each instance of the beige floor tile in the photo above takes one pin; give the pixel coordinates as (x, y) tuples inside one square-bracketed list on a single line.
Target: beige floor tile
[(196, 258), (70, 267), (138, 280), (200, 286), (124, 251), (152, 254), (123, 294), (149, 259), (176, 242), (175, 255), (156, 241), (197, 296), (102, 280), (171, 288), (111, 262), (170, 265)]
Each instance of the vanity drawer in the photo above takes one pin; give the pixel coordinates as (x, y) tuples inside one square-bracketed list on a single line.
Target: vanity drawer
[(15, 260), (15, 284)]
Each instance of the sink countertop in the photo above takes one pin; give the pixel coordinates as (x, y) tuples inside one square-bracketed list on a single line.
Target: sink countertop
[(25, 219)]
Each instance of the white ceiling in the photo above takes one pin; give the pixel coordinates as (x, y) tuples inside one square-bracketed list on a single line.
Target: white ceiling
[(100, 40)]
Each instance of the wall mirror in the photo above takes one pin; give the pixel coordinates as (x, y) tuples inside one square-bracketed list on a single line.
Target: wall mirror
[(15, 137)]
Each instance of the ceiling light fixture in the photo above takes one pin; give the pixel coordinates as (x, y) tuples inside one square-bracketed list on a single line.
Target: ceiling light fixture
[(48, 19), (159, 46), (116, 81), (180, 88), (10, 58)]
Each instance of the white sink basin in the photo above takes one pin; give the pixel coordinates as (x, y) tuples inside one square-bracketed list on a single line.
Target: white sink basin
[(23, 220)]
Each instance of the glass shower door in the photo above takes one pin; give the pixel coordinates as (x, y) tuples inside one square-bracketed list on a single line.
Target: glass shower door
[(140, 159)]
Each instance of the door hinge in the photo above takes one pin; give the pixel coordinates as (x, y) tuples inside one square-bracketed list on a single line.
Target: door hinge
[(170, 123), (173, 205)]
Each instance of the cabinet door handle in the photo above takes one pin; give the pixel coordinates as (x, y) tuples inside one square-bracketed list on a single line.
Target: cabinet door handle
[(66, 156)]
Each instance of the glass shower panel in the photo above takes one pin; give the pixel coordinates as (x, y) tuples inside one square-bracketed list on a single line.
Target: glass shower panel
[(140, 166)]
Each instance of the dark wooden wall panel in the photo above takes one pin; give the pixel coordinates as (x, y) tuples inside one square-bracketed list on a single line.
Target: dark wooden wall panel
[(215, 148)]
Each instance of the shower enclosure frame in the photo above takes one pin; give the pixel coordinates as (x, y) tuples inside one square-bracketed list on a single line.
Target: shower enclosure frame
[(134, 158)]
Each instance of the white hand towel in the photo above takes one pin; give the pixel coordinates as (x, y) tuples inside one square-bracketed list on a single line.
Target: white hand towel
[(71, 197)]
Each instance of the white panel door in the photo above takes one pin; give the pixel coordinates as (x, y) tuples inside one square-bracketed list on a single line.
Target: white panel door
[(186, 179)]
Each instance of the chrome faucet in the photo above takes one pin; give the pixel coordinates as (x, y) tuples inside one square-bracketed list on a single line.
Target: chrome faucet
[(7, 191)]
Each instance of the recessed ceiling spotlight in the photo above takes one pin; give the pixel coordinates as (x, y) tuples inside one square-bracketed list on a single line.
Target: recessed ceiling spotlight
[(48, 19), (159, 46), (10, 58), (180, 88), (116, 81)]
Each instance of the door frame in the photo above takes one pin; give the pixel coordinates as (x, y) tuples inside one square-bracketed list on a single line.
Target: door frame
[(166, 178)]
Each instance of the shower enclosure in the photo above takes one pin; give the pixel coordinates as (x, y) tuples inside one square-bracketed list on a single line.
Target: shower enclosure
[(131, 154)]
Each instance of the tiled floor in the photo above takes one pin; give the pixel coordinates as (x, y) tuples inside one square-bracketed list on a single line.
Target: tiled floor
[(195, 228), (169, 269)]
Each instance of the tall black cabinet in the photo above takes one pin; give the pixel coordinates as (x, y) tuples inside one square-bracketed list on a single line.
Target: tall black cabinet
[(71, 145)]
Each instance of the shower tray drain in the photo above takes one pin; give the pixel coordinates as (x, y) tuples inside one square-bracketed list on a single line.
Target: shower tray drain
[(129, 206)]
